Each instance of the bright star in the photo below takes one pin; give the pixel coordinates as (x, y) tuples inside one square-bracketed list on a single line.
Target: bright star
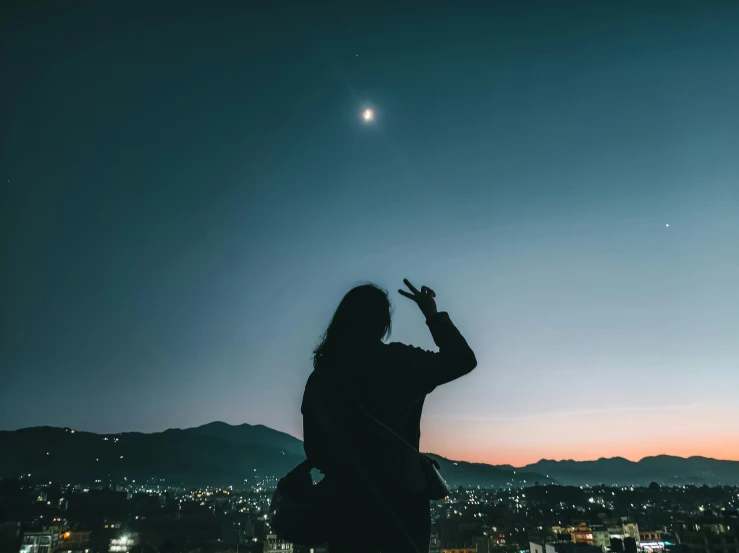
[(368, 115), (667, 225)]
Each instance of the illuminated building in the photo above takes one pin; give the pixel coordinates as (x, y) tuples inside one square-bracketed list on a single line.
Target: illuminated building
[(582, 533), (273, 544), (497, 540), (490, 542), (124, 543), (653, 546), (651, 541), (75, 539), (602, 539), (709, 537), (623, 530), (39, 542), (568, 547)]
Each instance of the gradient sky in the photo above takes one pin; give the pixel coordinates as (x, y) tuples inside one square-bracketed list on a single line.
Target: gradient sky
[(187, 193)]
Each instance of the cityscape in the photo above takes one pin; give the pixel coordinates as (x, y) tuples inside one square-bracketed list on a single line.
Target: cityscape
[(122, 514)]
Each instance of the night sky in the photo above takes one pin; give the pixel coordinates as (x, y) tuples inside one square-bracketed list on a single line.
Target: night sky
[(188, 192)]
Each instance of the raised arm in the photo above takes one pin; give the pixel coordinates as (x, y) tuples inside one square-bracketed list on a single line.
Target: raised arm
[(455, 358)]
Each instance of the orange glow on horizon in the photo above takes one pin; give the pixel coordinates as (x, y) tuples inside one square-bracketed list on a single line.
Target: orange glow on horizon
[(718, 447), (687, 431)]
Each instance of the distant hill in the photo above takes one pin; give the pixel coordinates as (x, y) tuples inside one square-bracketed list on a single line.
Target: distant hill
[(663, 469), (221, 454), (462, 473), (250, 434), (181, 457)]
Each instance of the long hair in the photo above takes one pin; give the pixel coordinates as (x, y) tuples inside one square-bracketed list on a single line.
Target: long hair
[(361, 321)]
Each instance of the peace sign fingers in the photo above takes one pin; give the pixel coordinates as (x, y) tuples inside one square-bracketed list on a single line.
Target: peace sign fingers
[(424, 299), (410, 286), (407, 295)]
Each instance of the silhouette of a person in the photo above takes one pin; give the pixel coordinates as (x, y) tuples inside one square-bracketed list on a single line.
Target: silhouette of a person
[(353, 364)]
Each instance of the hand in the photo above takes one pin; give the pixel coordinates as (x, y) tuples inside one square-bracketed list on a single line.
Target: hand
[(424, 299)]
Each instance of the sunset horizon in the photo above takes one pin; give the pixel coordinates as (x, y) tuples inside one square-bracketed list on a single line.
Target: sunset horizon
[(512, 457)]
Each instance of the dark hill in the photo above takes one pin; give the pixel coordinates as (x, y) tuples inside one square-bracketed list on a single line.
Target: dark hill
[(462, 473), (178, 456), (250, 434)]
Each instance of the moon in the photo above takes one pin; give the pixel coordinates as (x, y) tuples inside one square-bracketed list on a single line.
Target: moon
[(368, 115)]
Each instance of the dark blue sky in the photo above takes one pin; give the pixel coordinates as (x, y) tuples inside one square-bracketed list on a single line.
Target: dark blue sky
[(188, 190)]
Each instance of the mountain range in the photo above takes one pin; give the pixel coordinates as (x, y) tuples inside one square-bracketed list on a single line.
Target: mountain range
[(663, 469), (221, 454)]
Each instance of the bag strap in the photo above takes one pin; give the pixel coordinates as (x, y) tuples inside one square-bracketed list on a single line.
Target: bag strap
[(357, 403), (397, 437)]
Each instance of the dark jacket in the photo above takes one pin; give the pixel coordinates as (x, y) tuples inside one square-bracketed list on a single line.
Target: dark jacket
[(391, 381)]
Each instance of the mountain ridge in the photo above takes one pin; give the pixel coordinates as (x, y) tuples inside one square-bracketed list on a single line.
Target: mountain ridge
[(222, 451), (263, 426), (211, 454)]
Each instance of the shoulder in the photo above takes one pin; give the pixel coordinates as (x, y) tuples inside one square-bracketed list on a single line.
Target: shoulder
[(409, 367), (312, 389), (402, 352), (396, 348)]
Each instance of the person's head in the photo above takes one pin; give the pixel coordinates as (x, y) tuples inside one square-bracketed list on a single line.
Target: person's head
[(361, 320)]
